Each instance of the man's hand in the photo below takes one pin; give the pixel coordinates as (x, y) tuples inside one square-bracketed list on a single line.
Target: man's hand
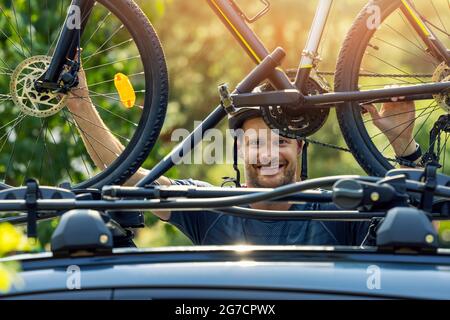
[(396, 121)]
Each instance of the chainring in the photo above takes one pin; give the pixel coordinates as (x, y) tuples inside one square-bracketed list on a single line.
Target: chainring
[(300, 125)]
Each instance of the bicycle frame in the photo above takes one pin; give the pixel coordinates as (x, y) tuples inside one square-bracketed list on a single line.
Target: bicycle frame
[(234, 20)]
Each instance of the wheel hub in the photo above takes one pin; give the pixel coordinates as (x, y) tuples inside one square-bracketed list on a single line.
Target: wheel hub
[(442, 74), (26, 97)]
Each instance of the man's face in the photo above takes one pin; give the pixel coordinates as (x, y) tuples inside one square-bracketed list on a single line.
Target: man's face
[(270, 160)]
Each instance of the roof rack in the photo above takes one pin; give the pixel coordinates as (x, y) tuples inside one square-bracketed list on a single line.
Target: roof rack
[(390, 201)]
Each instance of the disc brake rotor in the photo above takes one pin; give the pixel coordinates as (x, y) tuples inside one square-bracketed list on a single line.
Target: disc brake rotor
[(24, 94)]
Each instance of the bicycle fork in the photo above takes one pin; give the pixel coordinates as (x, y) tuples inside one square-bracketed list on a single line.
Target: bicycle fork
[(66, 49)]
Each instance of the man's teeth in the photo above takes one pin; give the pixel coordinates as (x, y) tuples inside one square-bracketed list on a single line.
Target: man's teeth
[(271, 166), (270, 170)]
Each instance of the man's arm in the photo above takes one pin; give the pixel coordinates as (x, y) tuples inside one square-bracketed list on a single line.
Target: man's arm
[(103, 147)]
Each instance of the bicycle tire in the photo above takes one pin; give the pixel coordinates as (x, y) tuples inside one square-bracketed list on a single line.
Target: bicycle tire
[(346, 79), (154, 114)]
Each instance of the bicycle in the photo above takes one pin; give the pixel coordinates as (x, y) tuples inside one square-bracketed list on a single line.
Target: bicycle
[(297, 107)]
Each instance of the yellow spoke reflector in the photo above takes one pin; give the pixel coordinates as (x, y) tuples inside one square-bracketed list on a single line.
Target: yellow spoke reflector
[(125, 89)]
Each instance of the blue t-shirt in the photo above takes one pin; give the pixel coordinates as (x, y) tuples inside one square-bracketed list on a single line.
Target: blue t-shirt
[(211, 228)]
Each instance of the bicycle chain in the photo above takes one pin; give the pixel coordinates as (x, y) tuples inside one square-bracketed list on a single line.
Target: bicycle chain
[(334, 147)]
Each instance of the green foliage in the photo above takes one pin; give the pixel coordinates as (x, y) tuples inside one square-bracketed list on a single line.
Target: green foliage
[(12, 241)]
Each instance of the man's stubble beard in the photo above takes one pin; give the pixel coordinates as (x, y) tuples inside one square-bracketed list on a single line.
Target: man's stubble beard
[(253, 178)]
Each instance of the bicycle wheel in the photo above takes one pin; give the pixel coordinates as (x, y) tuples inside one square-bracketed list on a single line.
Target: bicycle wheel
[(393, 54), (41, 139)]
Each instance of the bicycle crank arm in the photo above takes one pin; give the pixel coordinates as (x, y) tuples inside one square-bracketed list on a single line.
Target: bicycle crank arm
[(385, 94)]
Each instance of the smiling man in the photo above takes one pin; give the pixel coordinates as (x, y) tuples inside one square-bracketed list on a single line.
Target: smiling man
[(270, 161)]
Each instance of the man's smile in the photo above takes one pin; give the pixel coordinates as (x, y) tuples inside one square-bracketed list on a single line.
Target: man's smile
[(270, 169)]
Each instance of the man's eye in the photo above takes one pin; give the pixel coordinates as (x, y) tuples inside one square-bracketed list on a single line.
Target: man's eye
[(282, 141)]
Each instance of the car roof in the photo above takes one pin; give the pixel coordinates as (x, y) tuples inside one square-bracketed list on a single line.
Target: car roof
[(332, 270)]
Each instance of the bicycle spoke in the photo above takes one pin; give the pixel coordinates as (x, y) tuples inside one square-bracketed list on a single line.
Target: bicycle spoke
[(17, 23), (13, 44), (96, 140), (423, 123), (111, 80), (7, 134), (5, 97), (22, 42), (396, 114), (19, 129), (439, 16), (391, 65), (5, 125), (110, 112), (109, 48), (41, 129), (100, 127), (404, 50), (437, 28), (418, 46), (31, 26), (6, 64), (420, 129), (54, 142), (412, 32), (102, 22), (400, 124), (48, 24), (113, 62), (445, 153), (107, 40), (5, 69), (445, 144), (108, 96), (47, 151), (88, 141), (72, 131)]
